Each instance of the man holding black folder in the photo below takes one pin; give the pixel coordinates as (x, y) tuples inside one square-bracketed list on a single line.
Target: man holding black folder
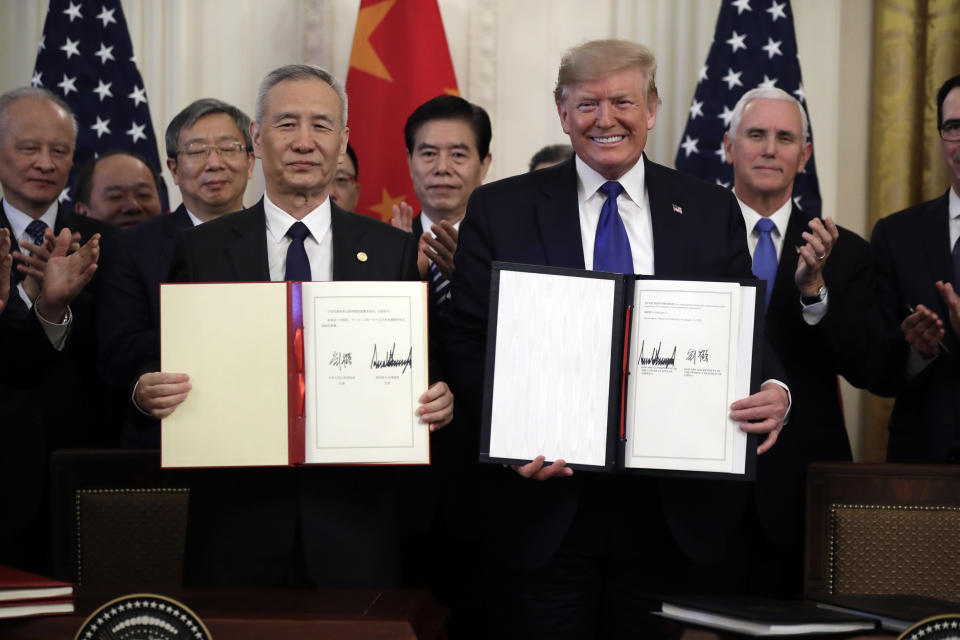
[(581, 555), (331, 527)]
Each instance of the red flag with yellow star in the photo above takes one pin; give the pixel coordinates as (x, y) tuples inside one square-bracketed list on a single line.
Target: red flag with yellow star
[(399, 61)]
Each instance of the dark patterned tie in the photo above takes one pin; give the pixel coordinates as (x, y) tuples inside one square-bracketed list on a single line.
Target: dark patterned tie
[(611, 247), (35, 231), (439, 286), (765, 255), (298, 266)]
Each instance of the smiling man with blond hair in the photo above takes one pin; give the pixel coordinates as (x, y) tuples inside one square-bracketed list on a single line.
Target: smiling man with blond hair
[(579, 555)]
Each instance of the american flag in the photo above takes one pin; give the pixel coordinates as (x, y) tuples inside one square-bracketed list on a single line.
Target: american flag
[(753, 46), (85, 56)]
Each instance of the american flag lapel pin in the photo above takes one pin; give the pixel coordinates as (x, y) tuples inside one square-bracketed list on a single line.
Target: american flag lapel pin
[(677, 209)]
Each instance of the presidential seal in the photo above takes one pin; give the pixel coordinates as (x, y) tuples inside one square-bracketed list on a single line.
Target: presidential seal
[(945, 627), (143, 616)]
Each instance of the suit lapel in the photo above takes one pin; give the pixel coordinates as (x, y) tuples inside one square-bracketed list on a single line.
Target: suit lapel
[(174, 225), (248, 251), (347, 243), (669, 225), (558, 216), (934, 228), (784, 289)]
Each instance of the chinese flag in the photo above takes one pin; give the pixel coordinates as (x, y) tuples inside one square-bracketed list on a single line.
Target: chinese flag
[(399, 61)]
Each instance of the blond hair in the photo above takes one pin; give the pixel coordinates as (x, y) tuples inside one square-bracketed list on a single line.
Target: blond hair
[(598, 58)]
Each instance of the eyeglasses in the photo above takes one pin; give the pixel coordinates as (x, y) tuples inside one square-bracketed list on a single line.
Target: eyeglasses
[(343, 180), (950, 131), (197, 151)]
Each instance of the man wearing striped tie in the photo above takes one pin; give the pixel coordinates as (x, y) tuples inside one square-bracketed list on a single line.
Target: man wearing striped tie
[(448, 150)]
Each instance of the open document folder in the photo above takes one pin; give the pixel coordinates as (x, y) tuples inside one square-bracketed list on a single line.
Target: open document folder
[(619, 372), (286, 373)]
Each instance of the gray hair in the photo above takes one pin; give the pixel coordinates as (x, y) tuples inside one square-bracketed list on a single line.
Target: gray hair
[(299, 72), (198, 109), (767, 93), (33, 93)]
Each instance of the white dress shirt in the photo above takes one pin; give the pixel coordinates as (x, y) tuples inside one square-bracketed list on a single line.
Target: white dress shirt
[(812, 313), (634, 207), (318, 245)]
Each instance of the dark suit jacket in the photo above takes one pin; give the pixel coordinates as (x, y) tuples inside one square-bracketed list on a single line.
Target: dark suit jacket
[(135, 262), (533, 218), (62, 404), (912, 250), (263, 526), (813, 356)]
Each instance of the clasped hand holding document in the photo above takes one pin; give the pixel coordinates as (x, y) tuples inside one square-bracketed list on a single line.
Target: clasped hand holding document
[(291, 373), (610, 372)]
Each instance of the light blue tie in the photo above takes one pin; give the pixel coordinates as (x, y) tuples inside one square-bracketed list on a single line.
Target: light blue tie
[(611, 247), (765, 255)]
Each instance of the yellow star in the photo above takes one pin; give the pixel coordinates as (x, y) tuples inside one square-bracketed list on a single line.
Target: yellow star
[(363, 56), (385, 207), (452, 92)]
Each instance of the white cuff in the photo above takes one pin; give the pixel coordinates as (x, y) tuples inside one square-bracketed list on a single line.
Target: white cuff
[(786, 415), (56, 332)]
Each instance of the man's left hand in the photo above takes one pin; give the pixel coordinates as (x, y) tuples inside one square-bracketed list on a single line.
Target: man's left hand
[(763, 412), (813, 255), (952, 300), (436, 406), (65, 276), (441, 248)]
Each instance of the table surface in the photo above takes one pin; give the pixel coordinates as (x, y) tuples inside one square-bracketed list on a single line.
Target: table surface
[(257, 613)]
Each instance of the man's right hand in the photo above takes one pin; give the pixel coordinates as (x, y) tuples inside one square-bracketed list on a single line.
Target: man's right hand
[(159, 393), (536, 470), (923, 330)]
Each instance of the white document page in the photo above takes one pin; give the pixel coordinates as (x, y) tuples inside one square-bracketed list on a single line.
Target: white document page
[(231, 339), (684, 376), (552, 377), (365, 346)]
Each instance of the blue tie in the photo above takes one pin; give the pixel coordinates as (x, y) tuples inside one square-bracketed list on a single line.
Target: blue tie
[(765, 255), (298, 266), (611, 248), (35, 231)]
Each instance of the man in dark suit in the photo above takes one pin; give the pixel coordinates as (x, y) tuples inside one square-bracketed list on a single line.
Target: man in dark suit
[(918, 254), (310, 526), (448, 152), (821, 318), (581, 553), (62, 404), (210, 155)]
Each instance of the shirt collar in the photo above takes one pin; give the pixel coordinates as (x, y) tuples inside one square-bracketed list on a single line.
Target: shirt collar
[(194, 219), (589, 181), (954, 204), (427, 222), (279, 221), (19, 220), (780, 217)]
